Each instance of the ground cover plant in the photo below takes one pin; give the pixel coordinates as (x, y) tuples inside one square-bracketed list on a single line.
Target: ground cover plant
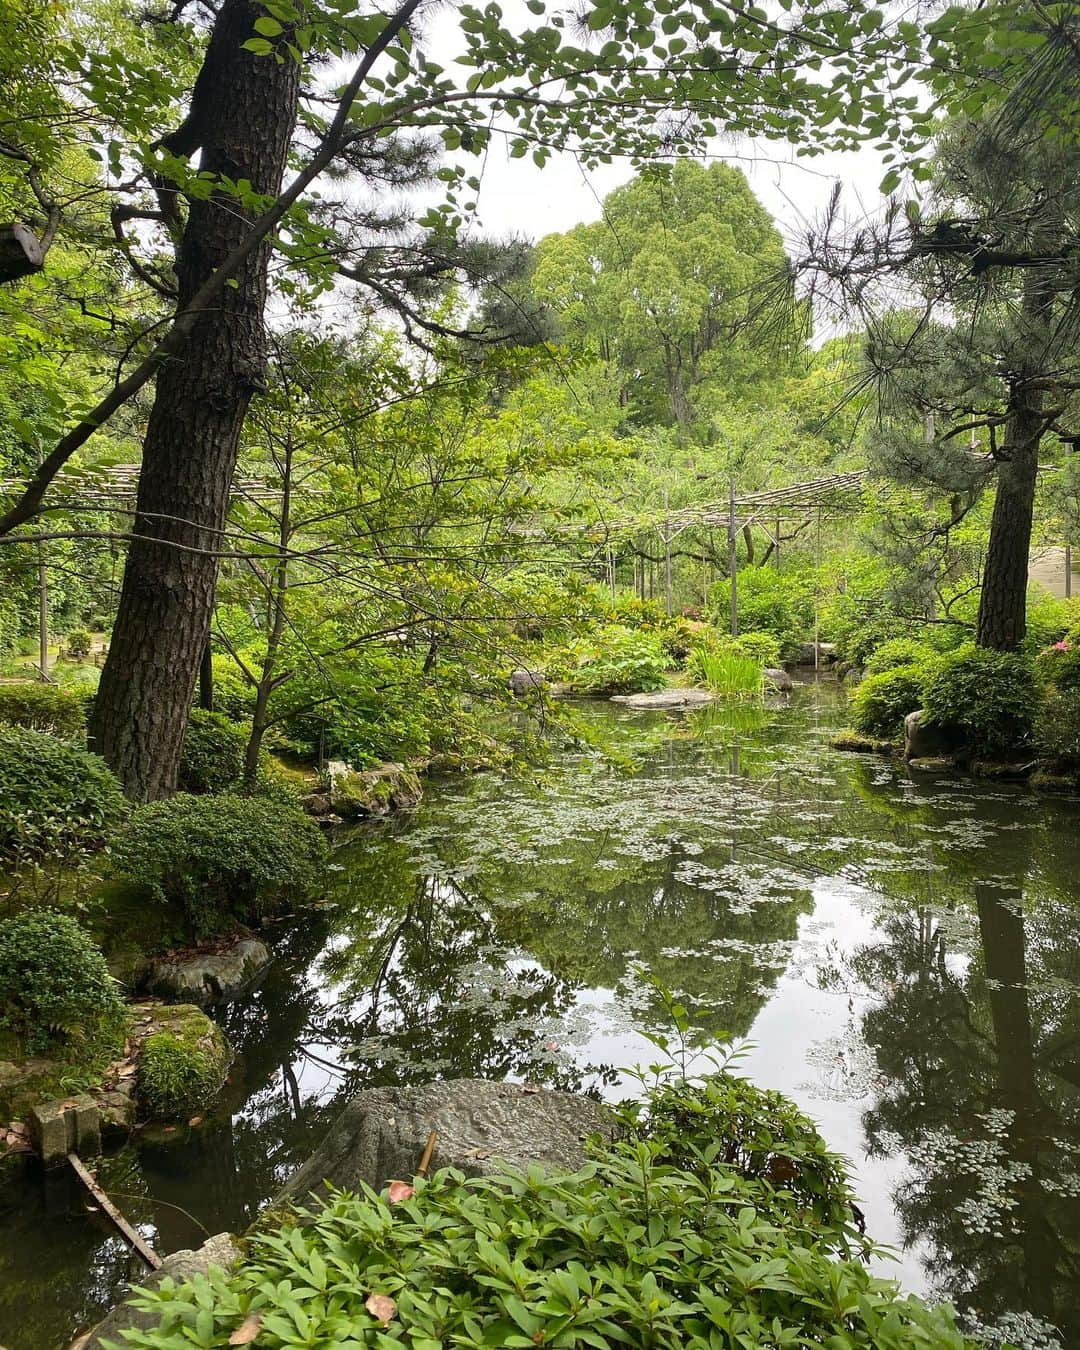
[(669, 1238), (55, 797)]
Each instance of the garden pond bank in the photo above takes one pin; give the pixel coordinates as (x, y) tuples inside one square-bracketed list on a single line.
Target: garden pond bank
[(901, 952)]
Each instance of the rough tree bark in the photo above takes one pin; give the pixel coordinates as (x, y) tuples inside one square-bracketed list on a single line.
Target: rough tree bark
[(242, 118), (1002, 621)]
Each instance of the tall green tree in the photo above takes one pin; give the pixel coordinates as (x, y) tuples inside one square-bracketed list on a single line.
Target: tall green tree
[(665, 285)]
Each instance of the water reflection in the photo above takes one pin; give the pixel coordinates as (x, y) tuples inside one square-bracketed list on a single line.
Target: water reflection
[(903, 953)]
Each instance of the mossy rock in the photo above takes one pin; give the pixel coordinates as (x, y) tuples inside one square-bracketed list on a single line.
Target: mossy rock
[(857, 743), (355, 794), (183, 1063)]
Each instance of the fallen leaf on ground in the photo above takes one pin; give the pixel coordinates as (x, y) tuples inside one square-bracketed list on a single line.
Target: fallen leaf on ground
[(531, 1089), (248, 1329), (381, 1307), (400, 1190)]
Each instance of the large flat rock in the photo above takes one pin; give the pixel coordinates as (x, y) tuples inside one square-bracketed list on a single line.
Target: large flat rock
[(481, 1128), (667, 698)]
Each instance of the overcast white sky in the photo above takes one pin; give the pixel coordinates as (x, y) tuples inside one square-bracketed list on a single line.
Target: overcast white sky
[(518, 198)]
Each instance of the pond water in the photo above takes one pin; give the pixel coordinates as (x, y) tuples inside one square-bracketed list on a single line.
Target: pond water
[(900, 954)]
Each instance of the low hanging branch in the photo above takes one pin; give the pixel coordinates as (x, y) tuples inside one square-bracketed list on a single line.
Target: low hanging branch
[(337, 134)]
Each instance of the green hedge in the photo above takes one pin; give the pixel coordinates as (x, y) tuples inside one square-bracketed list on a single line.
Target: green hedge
[(43, 707), (212, 759), (55, 989), (54, 796), (221, 859)]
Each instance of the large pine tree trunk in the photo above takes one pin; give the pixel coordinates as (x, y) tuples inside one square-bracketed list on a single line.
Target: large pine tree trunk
[(1003, 603), (243, 113)]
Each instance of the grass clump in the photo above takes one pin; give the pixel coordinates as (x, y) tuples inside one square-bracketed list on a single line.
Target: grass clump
[(728, 671), (181, 1072), (56, 993)]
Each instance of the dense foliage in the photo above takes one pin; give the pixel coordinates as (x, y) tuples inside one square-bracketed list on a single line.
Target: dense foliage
[(881, 702), (220, 859), (720, 1220), (43, 707), (990, 699), (56, 993), (213, 754), (55, 796)]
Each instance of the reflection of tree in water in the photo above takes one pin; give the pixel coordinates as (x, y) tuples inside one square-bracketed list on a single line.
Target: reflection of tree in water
[(979, 1036), (425, 984)]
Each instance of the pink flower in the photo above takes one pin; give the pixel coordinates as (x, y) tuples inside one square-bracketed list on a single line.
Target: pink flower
[(400, 1190), (1063, 646)]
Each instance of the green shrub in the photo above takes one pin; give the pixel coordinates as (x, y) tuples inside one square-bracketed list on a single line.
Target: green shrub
[(904, 651), (221, 859), (234, 696), (615, 660), (779, 603), (1057, 727), (213, 756), (78, 644), (55, 989), (179, 1075), (54, 796), (631, 1251), (1049, 619), (989, 699), (1059, 665), (43, 707), (881, 702)]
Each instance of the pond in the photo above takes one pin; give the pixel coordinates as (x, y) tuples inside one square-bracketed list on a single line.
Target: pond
[(899, 953)]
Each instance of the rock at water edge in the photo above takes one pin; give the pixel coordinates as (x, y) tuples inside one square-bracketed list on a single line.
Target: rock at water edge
[(481, 1127)]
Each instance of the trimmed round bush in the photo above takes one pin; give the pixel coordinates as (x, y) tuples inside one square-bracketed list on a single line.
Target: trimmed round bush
[(43, 707), (881, 702), (213, 756), (78, 644), (989, 699), (54, 796), (221, 859), (55, 989), (896, 652)]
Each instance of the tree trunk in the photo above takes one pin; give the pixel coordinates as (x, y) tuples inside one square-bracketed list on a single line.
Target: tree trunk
[(206, 680), (1003, 603), (242, 116)]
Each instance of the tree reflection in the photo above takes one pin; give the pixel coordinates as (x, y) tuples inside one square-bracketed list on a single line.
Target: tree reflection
[(978, 1035)]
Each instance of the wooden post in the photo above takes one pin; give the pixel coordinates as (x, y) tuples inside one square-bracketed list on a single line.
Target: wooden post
[(733, 559), (1068, 545), (817, 595), (130, 1235), (43, 616), (778, 543), (667, 556)]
